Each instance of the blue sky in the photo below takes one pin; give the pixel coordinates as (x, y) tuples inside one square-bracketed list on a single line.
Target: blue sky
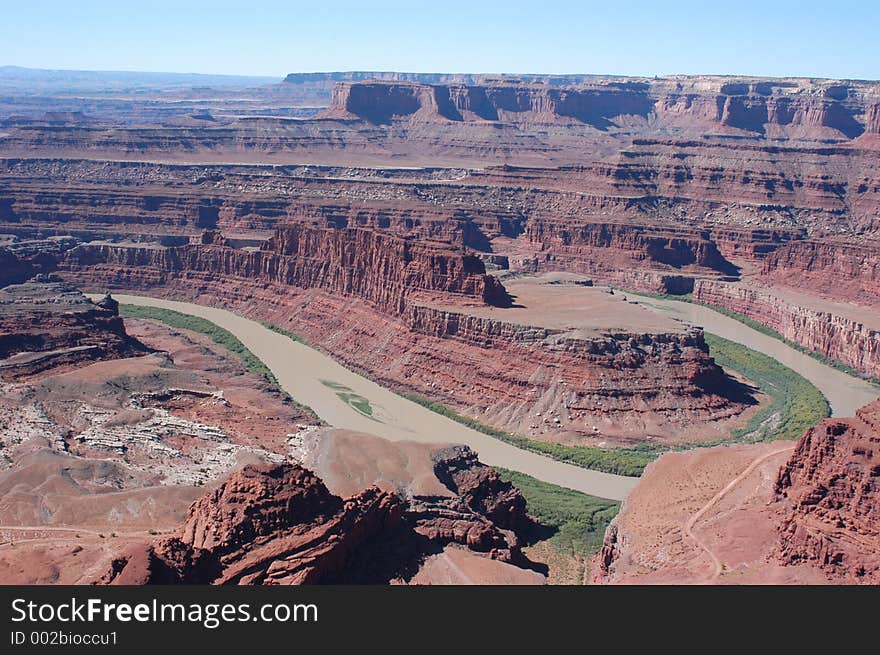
[(773, 37)]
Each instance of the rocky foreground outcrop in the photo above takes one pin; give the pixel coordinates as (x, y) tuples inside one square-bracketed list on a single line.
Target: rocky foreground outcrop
[(279, 524), (774, 513), (831, 489), (264, 525)]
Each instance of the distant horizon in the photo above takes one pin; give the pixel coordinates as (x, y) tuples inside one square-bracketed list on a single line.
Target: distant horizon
[(404, 71), (271, 38)]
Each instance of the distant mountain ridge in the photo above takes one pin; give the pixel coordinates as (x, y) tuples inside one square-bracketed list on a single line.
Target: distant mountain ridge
[(12, 76)]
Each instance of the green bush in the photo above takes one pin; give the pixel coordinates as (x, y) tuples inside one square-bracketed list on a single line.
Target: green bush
[(577, 519), (287, 333)]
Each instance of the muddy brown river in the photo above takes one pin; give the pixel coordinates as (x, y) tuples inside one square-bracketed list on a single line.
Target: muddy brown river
[(845, 393), (347, 400)]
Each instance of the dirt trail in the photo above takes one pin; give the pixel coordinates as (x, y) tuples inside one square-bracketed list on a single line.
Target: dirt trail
[(74, 532), (691, 522)]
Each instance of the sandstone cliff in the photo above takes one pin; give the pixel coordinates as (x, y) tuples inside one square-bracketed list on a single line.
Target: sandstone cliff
[(608, 249), (831, 490), (839, 270), (833, 331), (823, 108), (380, 268), (380, 102)]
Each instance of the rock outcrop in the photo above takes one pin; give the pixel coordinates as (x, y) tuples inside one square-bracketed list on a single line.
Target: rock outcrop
[(481, 488), (831, 490), (47, 323), (270, 524), (279, 524)]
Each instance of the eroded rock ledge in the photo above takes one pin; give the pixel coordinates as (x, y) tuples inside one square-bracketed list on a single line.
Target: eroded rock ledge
[(831, 487), (279, 524)]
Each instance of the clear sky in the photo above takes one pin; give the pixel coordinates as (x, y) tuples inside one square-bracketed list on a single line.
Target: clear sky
[(771, 37)]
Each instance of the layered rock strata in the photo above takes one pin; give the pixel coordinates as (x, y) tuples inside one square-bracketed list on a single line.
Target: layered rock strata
[(831, 268), (850, 335), (761, 106), (831, 489), (371, 301), (380, 268)]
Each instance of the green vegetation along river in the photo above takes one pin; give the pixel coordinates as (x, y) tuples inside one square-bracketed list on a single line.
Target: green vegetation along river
[(345, 399)]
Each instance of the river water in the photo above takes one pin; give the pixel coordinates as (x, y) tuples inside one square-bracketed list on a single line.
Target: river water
[(336, 393), (844, 392), (347, 400)]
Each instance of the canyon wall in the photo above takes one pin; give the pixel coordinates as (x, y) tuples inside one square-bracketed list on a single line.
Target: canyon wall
[(831, 491), (602, 248), (843, 109), (749, 205), (366, 263), (831, 333), (379, 268), (835, 269), (383, 102), (376, 311)]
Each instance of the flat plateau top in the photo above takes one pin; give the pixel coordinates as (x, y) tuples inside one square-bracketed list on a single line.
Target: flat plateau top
[(561, 301), (49, 296)]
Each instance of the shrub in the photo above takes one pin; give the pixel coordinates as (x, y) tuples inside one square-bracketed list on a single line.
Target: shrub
[(578, 520)]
